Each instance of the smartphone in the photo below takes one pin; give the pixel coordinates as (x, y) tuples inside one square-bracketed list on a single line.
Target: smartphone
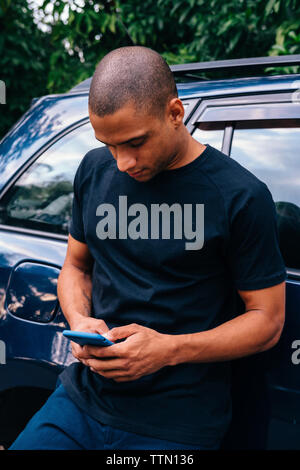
[(83, 338)]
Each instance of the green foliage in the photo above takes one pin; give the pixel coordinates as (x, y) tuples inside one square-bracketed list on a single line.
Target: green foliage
[(81, 41), (287, 37), (197, 30), (34, 63), (24, 60)]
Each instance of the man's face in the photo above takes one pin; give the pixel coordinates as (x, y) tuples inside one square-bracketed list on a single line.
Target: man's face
[(142, 144)]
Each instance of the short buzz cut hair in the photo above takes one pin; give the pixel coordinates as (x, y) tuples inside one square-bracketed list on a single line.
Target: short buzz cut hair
[(131, 74)]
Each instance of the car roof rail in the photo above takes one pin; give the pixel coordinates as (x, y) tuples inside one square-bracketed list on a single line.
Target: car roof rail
[(34, 100), (190, 69)]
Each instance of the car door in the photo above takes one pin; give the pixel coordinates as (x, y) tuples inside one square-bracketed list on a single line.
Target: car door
[(262, 132), (35, 214)]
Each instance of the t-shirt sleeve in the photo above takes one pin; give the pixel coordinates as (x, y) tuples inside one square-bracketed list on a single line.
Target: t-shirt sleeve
[(253, 254), (76, 224)]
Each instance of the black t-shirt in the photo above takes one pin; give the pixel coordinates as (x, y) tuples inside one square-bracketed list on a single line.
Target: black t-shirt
[(170, 254)]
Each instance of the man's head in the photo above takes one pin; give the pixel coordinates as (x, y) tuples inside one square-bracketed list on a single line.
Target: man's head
[(133, 74), (135, 110)]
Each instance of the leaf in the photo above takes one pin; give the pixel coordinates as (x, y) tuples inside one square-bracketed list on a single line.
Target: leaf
[(280, 36), (225, 27), (279, 48), (175, 8), (269, 7), (292, 34), (277, 6), (112, 24), (104, 22), (234, 41), (71, 18), (94, 14), (54, 57), (78, 19), (25, 47), (183, 16), (61, 8), (160, 24), (16, 61), (88, 23)]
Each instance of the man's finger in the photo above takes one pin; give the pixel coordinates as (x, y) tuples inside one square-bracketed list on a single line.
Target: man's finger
[(107, 365), (121, 332), (79, 351), (101, 351)]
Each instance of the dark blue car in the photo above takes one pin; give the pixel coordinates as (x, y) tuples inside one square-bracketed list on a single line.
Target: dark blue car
[(255, 120)]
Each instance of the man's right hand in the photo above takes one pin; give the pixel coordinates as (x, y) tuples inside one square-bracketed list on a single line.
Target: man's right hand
[(88, 324)]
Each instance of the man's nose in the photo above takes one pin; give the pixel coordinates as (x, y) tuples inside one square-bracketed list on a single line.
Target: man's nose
[(125, 161)]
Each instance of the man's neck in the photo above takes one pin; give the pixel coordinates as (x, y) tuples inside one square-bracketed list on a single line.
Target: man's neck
[(190, 150)]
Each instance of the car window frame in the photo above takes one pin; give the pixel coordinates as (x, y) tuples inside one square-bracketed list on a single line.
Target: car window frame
[(217, 105), (24, 168), (292, 273), (225, 102), (190, 105)]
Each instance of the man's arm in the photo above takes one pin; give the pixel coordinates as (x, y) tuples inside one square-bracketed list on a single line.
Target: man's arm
[(74, 285), (145, 350), (257, 330), (74, 290)]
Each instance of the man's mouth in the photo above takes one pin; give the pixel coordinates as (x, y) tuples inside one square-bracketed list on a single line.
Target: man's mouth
[(136, 173)]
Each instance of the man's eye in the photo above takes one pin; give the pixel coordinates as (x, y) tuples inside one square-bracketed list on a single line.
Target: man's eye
[(138, 144)]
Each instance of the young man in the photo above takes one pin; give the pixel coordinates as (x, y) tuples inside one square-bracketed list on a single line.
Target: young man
[(165, 231)]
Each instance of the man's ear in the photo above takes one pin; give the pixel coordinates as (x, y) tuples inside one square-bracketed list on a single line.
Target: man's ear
[(176, 111)]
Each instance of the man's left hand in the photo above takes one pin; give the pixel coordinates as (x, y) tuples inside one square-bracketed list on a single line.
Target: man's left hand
[(143, 352)]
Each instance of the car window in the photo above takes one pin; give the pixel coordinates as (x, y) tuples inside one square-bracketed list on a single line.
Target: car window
[(210, 133), (41, 198), (270, 150)]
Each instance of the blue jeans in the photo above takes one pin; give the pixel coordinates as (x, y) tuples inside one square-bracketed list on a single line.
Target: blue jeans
[(61, 425)]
